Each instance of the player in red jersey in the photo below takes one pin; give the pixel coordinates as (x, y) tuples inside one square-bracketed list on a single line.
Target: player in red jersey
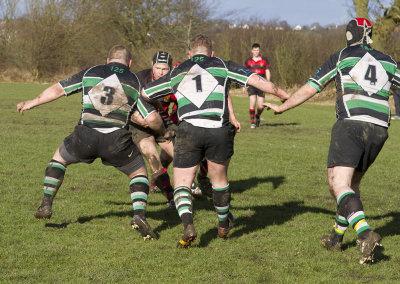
[(260, 65)]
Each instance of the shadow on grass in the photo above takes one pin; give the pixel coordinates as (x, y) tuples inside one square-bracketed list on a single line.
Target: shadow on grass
[(262, 217), (238, 186), (391, 228), (169, 217), (278, 124)]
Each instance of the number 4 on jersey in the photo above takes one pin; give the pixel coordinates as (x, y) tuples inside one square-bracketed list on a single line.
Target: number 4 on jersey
[(370, 75)]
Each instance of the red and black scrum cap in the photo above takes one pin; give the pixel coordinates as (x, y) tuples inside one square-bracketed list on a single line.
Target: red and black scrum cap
[(359, 31)]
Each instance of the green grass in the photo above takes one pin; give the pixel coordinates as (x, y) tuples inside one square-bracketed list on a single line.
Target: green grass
[(280, 200)]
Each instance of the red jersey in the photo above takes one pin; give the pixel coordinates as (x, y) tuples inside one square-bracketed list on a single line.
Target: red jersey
[(166, 101), (258, 66)]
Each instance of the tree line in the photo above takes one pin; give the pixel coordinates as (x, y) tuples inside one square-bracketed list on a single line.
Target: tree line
[(55, 38)]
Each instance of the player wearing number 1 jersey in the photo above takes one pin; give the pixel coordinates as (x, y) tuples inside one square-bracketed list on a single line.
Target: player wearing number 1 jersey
[(204, 130), (363, 78), (109, 93)]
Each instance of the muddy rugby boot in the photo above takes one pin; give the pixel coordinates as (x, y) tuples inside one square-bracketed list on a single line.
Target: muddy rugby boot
[(330, 242), (188, 236), (43, 212), (196, 191), (205, 185), (224, 232), (368, 246), (140, 224)]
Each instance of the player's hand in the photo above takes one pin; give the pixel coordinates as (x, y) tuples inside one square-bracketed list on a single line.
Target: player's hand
[(237, 125), (274, 107), (166, 138), (138, 119), (23, 106)]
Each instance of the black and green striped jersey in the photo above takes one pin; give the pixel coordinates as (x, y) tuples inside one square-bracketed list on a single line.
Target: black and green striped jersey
[(109, 93), (363, 78), (199, 85)]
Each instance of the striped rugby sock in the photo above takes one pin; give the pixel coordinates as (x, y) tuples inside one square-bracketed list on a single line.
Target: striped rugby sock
[(340, 226), (54, 176), (139, 187), (183, 202), (221, 198), (350, 205), (252, 115)]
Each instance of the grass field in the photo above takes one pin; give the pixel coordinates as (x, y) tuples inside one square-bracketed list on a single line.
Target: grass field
[(280, 200)]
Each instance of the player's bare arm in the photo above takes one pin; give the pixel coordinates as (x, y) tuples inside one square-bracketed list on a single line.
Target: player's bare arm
[(267, 87), (299, 97), (155, 122), (232, 116), (268, 75), (50, 94)]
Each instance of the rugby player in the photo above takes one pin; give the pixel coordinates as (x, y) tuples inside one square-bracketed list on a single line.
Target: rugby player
[(204, 130), (363, 77), (109, 93), (145, 138), (260, 65)]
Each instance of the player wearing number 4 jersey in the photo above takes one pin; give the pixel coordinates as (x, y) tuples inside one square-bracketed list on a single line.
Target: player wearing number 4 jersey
[(109, 93), (363, 77), (204, 130)]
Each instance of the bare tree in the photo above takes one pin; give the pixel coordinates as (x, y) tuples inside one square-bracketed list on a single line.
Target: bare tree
[(387, 20)]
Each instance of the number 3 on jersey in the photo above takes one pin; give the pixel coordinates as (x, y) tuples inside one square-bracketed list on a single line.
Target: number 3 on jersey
[(108, 95)]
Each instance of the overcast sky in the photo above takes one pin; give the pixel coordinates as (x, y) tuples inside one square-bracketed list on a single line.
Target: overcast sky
[(294, 12)]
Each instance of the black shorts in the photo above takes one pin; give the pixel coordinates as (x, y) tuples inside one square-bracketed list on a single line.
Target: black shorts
[(355, 144), (254, 91), (193, 143), (115, 149)]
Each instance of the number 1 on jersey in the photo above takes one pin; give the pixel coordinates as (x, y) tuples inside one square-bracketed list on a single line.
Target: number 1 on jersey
[(199, 88)]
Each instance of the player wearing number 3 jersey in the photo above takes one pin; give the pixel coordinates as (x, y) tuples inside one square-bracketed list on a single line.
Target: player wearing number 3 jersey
[(204, 130), (363, 78), (109, 93)]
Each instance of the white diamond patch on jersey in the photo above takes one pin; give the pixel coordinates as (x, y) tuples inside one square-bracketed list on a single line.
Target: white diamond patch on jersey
[(108, 95), (369, 74), (197, 85)]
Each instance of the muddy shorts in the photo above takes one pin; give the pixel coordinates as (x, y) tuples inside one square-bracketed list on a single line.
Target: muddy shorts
[(140, 132), (355, 144), (193, 143), (254, 91), (115, 148)]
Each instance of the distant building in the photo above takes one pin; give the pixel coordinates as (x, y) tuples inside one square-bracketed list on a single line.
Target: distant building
[(297, 28)]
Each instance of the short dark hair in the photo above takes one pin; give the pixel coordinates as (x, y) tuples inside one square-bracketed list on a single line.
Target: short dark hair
[(120, 52), (255, 45), (201, 42)]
